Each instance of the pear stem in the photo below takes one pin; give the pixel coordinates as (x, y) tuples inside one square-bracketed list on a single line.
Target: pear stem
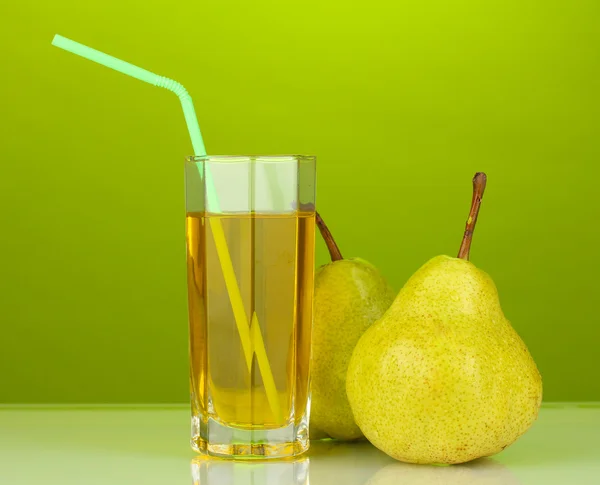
[(479, 182), (334, 251)]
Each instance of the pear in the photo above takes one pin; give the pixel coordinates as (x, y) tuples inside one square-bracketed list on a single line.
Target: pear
[(442, 377), (350, 294)]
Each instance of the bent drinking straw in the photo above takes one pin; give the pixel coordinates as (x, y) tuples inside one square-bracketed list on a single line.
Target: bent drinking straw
[(249, 331)]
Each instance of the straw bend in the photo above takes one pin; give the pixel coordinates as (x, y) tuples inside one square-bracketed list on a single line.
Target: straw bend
[(192, 123), (172, 85)]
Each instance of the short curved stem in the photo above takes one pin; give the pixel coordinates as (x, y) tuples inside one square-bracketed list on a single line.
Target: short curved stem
[(479, 182), (334, 251)]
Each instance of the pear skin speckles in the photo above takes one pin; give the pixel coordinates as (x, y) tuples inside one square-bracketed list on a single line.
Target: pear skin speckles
[(443, 377)]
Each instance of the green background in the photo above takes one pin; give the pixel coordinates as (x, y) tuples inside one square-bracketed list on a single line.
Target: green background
[(401, 102)]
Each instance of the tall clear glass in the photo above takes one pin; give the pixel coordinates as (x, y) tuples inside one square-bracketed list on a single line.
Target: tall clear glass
[(250, 259)]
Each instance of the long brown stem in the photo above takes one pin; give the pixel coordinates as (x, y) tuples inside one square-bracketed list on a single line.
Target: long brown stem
[(334, 251), (479, 182)]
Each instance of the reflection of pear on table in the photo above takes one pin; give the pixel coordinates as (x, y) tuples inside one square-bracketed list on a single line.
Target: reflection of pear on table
[(335, 462), (443, 377), (480, 472), (350, 294)]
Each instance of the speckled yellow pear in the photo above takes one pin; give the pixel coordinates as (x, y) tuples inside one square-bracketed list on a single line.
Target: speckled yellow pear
[(442, 377), (350, 294)]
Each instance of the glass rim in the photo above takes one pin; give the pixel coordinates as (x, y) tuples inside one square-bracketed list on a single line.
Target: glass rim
[(249, 158)]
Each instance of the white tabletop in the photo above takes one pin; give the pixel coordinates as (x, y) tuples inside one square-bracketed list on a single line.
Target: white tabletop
[(149, 445)]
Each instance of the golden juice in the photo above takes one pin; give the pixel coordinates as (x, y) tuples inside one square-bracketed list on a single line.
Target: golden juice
[(273, 260)]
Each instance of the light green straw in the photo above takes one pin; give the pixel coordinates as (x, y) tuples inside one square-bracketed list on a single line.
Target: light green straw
[(149, 77), (250, 334)]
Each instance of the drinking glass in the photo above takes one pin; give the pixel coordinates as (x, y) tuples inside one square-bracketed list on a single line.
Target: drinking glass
[(250, 230)]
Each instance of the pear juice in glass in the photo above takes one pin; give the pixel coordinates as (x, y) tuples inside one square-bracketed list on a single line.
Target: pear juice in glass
[(250, 264)]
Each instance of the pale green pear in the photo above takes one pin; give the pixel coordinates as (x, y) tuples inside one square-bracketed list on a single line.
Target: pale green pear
[(443, 377), (350, 294)]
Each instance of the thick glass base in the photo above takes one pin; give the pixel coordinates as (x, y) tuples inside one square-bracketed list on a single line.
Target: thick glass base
[(216, 439)]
